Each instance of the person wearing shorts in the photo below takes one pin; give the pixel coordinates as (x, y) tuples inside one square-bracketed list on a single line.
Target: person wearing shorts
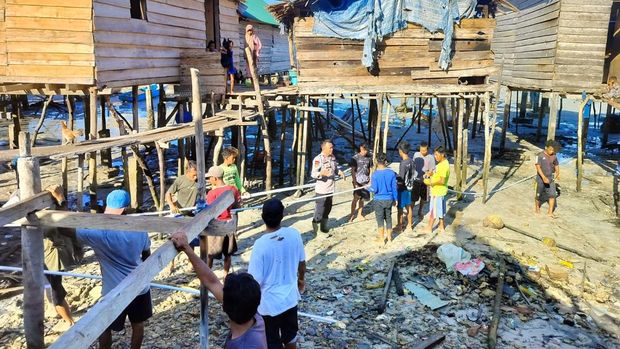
[(360, 173), (119, 253), (424, 164), (404, 195), (383, 186), (548, 172), (219, 246), (438, 181), (278, 263)]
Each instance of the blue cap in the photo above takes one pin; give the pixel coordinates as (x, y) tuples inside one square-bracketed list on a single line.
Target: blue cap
[(117, 199)]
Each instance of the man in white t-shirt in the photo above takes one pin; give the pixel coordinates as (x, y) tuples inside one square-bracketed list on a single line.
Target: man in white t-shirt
[(278, 263)]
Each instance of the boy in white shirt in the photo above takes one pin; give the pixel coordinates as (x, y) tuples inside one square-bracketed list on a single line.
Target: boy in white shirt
[(278, 263)]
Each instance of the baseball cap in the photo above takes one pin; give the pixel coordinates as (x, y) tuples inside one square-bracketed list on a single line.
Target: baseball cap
[(215, 171), (117, 201)]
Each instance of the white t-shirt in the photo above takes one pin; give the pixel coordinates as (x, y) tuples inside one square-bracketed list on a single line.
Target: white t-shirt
[(274, 262)]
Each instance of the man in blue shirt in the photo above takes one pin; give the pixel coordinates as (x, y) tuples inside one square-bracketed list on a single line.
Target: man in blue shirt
[(119, 253)]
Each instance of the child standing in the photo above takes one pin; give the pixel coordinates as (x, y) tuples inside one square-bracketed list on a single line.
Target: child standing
[(360, 167), (438, 182), (383, 185), (405, 170), (231, 173)]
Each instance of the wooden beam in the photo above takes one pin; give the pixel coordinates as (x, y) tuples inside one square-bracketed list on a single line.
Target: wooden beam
[(134, 108), (92, 162), (20, 209), (102, 314)]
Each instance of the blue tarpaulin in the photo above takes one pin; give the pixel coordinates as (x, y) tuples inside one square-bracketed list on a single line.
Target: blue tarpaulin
[(371, 20)]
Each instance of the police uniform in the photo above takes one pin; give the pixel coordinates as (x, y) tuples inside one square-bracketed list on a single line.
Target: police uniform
[(324, 185)]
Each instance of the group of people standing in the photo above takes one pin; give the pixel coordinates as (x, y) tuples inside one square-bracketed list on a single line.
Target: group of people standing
[(390, 189)]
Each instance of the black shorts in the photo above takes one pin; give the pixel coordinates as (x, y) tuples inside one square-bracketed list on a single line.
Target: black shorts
[(58, 291), (361, 194), (281, 329), (139, 310), (419, 192)]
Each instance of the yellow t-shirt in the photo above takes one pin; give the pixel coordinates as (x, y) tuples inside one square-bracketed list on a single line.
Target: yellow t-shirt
[(442, 170)]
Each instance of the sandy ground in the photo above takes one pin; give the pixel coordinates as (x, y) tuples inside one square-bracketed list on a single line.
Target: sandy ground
[(580, 312)]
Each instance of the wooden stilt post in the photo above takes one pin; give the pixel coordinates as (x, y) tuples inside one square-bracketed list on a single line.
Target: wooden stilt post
[(282, 145), (489, 131), (299, 147), (105, 154), (161, 106), (421, 106), (373, 111), (441, 109), (70, 110), (464, 157), (430, 121), (181, 144), (475, 123), (506, 120), (294, 149), (541, 115), (218, 146), (553, 115), (580, 144), (32, 249), (135, 182), (80, 182), (150, 113), (15, 127), (92, 161), (560, 111), (386, 126), (458, 157), (523, 105), (467, 114), (134, 108), (377, 123), (161, 160), (46, 104), (304, 145), (86, 109), (242, 154)]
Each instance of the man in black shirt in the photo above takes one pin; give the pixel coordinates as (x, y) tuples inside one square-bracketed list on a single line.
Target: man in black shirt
[(360, 167)]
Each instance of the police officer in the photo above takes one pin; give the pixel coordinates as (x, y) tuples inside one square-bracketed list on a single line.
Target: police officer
[(324, 170)]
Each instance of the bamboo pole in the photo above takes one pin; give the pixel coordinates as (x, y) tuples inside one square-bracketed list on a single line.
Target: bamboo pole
[(32, 249), (92, 161), (506, 120), (580, 144)]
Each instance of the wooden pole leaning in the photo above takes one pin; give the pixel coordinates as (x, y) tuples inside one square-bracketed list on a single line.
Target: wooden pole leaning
[(200, 165), (102, 314), (32, 249), (489, 131)]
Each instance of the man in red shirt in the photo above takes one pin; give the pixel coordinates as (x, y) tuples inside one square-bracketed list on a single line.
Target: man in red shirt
[(222, 245)]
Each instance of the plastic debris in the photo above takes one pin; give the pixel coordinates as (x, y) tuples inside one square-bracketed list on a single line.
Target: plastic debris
[(450, 254), (425, 297), (470, 268)]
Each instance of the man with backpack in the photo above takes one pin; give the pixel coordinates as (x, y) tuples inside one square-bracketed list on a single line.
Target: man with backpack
[(405, 179)]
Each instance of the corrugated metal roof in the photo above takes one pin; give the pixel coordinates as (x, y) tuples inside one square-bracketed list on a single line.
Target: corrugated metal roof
[(256, 10)]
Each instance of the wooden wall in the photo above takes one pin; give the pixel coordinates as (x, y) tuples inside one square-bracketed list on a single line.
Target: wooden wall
[(46, 41), (582, 39), (526, 43), (134, 51), (212, 77), (274, 54), (410, 56), (557, 45)]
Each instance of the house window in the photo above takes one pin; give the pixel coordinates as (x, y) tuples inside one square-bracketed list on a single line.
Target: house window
[(138, 9)]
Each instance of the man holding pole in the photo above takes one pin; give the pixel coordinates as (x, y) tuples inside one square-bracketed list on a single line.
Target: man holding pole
[(324, 169)]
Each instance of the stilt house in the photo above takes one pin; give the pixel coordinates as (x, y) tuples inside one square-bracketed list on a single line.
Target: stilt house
[(72, 45), (559, 45), (274, 56), (337, 50)]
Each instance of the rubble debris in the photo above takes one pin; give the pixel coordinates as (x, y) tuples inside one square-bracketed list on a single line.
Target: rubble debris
[(430, 342), (451, 254), (425, 297), (492, 339)]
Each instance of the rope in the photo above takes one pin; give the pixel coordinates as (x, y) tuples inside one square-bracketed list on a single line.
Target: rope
[(161, 286)]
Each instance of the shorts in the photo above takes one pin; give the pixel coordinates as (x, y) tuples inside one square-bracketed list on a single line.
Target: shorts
[(58, 291), (404, 199), (362, 193), (222, 245), (437, 207), (281, 329), (419, 192), (139, 310), (544, 192), (383, 213)]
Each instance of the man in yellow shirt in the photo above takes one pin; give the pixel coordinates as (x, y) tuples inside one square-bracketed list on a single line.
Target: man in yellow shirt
[(438, 181)]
